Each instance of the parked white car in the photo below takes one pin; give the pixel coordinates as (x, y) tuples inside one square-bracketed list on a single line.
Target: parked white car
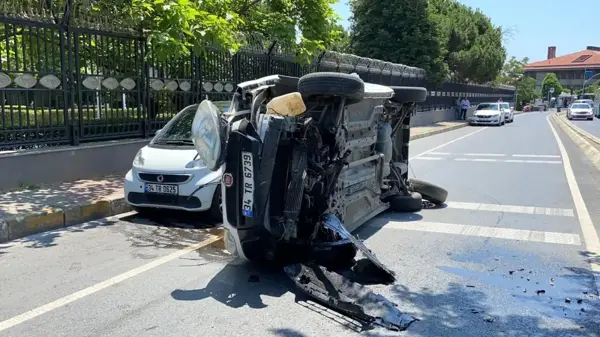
[(509, 115), (167, 173), (488, 114), (580, 110)]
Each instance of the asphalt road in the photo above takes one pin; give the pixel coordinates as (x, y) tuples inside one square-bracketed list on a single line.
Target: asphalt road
[(593, 127), (472, 268)]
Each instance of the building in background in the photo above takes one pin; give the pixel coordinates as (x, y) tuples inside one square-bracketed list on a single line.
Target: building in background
[(570, 69)]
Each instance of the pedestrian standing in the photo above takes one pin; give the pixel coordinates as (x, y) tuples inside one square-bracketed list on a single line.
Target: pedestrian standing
[(457, 107), (464, 107)]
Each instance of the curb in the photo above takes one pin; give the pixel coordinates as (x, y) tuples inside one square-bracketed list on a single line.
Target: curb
[(581, 138), (51, 218), (435, 132)]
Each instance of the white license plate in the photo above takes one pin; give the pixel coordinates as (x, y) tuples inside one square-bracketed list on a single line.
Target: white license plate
[(162, 189), (248, 195)]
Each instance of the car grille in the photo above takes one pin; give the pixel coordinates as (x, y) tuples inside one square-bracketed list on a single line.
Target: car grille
[(167, 200), (483, 116), (166, 178)]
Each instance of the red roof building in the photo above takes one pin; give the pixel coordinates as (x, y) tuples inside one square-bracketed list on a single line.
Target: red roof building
[(570, 69)]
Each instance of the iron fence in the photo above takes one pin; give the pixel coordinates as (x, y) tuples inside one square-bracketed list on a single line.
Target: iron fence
[(65, 83)]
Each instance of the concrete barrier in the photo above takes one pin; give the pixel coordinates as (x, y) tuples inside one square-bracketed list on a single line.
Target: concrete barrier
[(65, 163)]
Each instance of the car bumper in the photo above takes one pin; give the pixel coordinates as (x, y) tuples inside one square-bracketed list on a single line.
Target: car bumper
[(582, 116), (190, 197), (487, 121)]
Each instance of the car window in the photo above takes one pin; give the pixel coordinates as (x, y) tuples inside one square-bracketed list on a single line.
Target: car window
[(487, 106), (179, 128), (580, 106), (505, 106)]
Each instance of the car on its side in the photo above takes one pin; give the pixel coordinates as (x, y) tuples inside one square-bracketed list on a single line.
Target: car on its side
[(488, 114), (509, 115), (168, 173), (580, 110)]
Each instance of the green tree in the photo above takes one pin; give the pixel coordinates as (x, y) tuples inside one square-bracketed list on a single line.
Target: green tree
[(398, 31), (526, 93), (551, 81), (512, 71)]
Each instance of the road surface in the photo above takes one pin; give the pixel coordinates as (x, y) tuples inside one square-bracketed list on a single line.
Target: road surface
[(507, 256), (592, 127)]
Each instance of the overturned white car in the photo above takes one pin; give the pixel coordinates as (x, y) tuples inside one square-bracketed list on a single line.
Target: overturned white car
[(305, 161)]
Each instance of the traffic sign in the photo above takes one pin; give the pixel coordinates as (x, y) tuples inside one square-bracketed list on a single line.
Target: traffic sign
[(552, 90)]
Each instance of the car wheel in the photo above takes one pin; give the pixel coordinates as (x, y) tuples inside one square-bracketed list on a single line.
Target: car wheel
[(429, 191), (216, 207), (409, 94), (412, 202), (590, 119), (332, 84)]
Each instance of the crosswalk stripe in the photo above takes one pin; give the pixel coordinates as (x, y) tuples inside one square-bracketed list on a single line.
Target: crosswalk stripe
[(487, 232), (511, 209)]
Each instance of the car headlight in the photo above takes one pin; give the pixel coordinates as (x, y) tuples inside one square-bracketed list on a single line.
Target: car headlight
[(139, 159)]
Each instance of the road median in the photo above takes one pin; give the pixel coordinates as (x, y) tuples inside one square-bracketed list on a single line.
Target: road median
[(39, 209), (587, 143)]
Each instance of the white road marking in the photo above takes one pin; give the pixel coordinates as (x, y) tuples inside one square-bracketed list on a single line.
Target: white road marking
[(440, 153), (511, 209), (487, 232), (590, 236), (102, 285), (477, 159), (447, 143), (430, 158), (533, 161), (535, 156), (485, 154)]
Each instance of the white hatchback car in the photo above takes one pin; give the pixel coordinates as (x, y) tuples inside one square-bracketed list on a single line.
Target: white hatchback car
[(509, 115), (168, 174), (488, 114), (580, 110)]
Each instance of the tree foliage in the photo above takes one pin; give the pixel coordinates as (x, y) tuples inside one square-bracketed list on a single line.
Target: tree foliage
[(512, 71), (526, 91), (444, 37), (551, 81)]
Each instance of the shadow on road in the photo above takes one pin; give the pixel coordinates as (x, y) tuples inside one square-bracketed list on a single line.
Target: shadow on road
[(240, 284)]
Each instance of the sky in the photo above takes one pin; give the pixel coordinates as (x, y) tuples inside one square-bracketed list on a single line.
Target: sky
[(533, 25)]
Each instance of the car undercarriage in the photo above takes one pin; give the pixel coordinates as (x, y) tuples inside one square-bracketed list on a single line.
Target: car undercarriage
[(305, 162)]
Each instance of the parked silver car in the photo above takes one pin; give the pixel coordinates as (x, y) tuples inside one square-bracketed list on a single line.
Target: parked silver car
[(580, 110)]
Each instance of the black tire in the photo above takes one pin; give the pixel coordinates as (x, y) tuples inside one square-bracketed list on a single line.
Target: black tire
[(409, 94), (406, 203), (216, 211), (332, 84), (429, 191)]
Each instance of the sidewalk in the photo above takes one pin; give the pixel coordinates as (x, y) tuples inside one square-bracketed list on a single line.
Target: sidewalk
[(36, 209)]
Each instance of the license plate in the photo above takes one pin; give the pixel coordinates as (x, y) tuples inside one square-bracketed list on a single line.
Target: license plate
[(162, 189), (248, 195)]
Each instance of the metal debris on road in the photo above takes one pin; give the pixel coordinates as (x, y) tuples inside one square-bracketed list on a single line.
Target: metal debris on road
[(541, 291), (567, 300), (470, 286), (349, 298), (488, 318)]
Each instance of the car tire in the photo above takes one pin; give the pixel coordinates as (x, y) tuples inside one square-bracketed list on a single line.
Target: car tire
[(216, 210), (332, 84), (429, 191), (409, 94), (590, 119), (410, 203)]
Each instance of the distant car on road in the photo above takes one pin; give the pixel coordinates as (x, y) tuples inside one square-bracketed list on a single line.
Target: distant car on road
[(488, 114), (509, 115), (580, 110), (167, 173)]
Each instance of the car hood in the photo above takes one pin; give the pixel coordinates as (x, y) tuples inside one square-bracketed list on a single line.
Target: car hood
[(581, 110), (171, 159)]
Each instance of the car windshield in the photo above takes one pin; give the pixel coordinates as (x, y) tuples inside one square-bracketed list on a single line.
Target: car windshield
[(486, 106), (505, 106), (580, 106), (179, 130)]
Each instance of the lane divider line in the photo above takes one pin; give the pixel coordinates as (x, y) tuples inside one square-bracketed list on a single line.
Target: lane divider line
[(447, 143), (590, 236), (487, 232), (61, 302), (532, 210)]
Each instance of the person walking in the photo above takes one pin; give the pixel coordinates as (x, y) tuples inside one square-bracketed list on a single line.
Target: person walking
[(464, 107)]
